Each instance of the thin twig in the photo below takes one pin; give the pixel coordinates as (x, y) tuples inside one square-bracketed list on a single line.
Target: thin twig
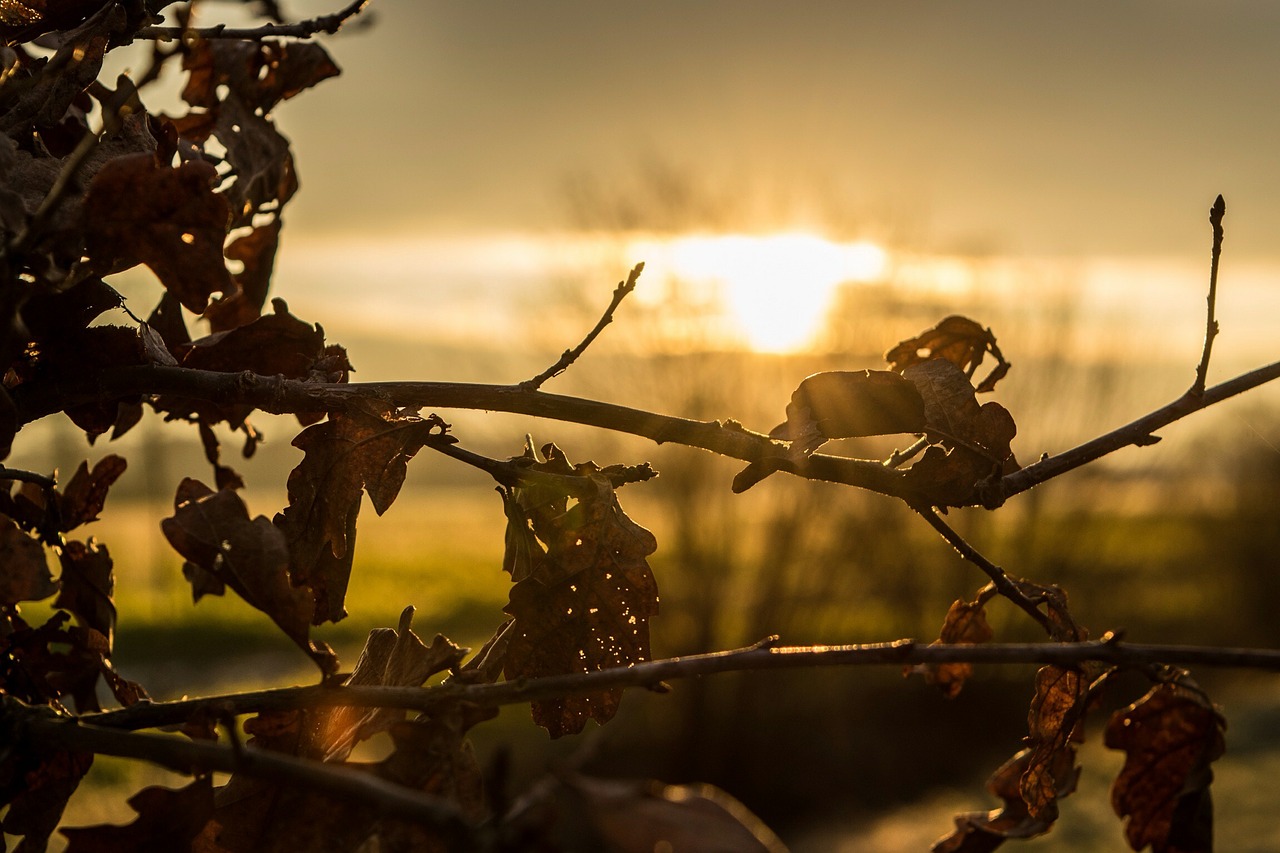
[(648, 674), (1216, 213), (42, 728), (901, 457), (327, 24), (569, 356), (1002, 582)]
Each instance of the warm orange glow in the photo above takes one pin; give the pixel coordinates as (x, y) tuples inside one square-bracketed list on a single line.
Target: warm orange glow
[(776, 288)]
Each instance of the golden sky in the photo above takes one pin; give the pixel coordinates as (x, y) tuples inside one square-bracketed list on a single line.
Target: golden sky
[(1082, 128)]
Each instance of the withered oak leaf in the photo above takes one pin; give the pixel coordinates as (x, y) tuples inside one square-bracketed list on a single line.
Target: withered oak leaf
[(168, 819), (982, 832), (169, 218), (1170, 738), (213, 531), (353, 451), (84, 495), (36, 786), (71, 359), (958, 340), (1054, 722), (25, 575), (973, 441), (586, 607), (390, 658), (257, 252), (965, 622), (88, 587), (639, 816), (842, 404)]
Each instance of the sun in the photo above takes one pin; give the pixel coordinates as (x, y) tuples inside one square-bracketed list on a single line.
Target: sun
[(775, 288)]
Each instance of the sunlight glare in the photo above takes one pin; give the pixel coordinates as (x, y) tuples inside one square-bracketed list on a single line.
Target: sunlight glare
[(776, 288)]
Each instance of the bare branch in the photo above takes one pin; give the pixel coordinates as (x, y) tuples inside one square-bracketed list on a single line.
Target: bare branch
[(327, 24), (41, 727), (999, 578), (1138, 433), (1216, 213), (648, 675), (569, 356)]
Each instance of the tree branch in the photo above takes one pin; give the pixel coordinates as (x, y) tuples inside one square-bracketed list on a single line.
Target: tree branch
[(569, 356), (729, 438), (759, 657), (999, 579), (327, 24), (42, 728), (1216, 213), (1137, 433)]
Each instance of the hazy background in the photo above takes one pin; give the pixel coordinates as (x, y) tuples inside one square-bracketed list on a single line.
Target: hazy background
[(808, 184)]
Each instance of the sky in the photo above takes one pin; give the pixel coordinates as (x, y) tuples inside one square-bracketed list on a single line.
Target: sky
[(1011, 128)]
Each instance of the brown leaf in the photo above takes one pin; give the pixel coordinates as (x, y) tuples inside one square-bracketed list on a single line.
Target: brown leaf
[(1057, 711), (586, 606), (257, 75), (965, 622), (167, 819), (956, 339), (842, 404), (212, 530), (390, 658), (257, 251), (973, 448), (88, 586), (36, 786), (138, 211), (1170, 737), (353, 451), (68, 359), (86, 492), (640, 817), (26, 575), (982, 832)]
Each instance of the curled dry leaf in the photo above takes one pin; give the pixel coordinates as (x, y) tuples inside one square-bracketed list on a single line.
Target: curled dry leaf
[(36, 787), (87, 587), (1170, 738), (958, 340), (138, 211), (26, 575), (390, 658), (982, 832), (1054, 722), (167, 819), (973, 441), (85, 494), (213, 532), (641, 816), (354, 451), (587, 596), (842, 404), (965, 622)]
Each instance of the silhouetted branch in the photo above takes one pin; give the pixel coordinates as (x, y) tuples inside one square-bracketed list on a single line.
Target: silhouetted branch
[(327, 24), (41, 727), (728, 438), (1138, 433), (569, 356), (42, 480), (999, 578), (651, 674), (1216, 213)]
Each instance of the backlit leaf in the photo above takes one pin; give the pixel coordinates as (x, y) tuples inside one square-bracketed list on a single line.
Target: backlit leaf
[(1170, 738), (965, 622), (213, 531), (354, 451), (167, 819)]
